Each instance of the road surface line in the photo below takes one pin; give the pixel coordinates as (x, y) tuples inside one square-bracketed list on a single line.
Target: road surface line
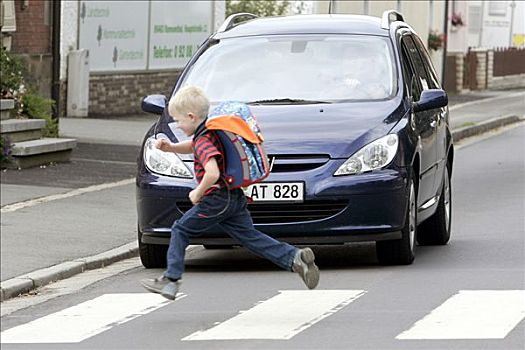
[(85, 320), (32, 202), (89, 160), (67, 286), (471, 314), (281, 317)]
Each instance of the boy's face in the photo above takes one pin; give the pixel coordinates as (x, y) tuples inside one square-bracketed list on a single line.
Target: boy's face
[(188, 123)]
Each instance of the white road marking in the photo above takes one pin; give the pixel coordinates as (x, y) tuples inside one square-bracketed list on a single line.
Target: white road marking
[(82, 280), (476, 314), (85, 320), (67, 286), (282, 316), (32, 202), (87, 160)]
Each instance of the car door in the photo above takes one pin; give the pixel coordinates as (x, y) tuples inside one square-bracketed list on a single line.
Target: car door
[(440, 115), (423, 120)]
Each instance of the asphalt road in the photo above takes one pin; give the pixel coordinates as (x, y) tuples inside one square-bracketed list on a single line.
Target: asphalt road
[(469, 294), (73, 227)]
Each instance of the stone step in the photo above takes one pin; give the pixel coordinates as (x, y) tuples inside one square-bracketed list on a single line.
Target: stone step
[(33, 153), (6, 106), (18, 130), (45, 145)]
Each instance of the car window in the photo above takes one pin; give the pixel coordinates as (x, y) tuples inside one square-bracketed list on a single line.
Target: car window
[(429, 68), (313, 67), (412, 84), (417, 64)]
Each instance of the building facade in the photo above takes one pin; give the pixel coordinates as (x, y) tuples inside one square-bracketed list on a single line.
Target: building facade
[(135, 48), (485, 24), (423, 16), (27, 32)]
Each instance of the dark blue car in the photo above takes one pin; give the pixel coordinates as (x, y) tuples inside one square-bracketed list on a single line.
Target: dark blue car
[(356, 127)]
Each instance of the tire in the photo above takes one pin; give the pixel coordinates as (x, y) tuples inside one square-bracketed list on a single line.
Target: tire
[(436, 229), (152, 256), (402, 251)]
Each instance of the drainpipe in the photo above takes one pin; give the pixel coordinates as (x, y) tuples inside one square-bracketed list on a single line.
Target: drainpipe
[(512, 6), (444, 60), (55, 48)]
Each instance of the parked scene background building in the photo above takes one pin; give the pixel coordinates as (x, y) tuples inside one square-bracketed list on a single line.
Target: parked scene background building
[(122, 51)]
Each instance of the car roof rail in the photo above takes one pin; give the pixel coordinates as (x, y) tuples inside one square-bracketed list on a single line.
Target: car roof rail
[(386, 18), (229, 22)]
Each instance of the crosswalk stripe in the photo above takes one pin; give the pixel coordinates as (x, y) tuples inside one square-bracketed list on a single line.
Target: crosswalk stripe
[(472, 314), (85, 320), (282, 316)]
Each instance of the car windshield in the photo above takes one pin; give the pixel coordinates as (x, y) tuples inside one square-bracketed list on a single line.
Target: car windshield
[(296, 69)]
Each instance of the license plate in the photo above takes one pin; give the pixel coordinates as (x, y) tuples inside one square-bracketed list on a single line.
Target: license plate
[(276, 192)]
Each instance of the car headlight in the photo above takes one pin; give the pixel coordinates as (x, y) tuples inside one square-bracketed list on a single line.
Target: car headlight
[(375, 155), (165, 163)]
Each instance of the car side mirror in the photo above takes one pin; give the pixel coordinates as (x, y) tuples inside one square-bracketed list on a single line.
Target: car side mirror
[(430, 99), (154, 104)]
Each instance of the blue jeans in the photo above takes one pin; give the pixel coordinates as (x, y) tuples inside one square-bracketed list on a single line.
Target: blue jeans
[(217, 211)]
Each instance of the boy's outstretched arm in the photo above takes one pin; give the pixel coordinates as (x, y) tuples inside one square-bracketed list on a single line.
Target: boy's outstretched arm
[(211, 175), (179, 147)]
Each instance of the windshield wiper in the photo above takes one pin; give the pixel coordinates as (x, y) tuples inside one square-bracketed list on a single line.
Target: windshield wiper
[(286, 101)]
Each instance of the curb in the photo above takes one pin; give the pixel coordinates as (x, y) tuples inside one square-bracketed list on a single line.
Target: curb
[(484, 126), (25, 283)]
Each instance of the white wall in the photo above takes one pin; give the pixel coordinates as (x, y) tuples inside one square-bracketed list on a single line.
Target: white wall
[(496, 27), (519, 24), (69, 27), (458, 36), (484, 28), (422, 16), (219, 10), (68, 33)]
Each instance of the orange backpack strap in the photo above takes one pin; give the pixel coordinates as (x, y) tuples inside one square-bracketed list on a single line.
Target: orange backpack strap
[(235, 125)]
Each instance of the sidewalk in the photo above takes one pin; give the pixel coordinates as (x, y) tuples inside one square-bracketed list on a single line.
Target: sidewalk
[(107, 149), (118, 131), (464, 110)]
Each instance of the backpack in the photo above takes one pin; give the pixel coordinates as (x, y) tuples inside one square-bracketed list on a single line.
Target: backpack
[(245, 160)]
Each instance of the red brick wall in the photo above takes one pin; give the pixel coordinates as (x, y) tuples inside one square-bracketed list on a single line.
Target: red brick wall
[(33, 35)]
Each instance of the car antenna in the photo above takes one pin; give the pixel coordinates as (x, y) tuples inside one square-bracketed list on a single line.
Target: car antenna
[(330, 7)]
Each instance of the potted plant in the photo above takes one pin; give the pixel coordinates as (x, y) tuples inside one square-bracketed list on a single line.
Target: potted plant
[(456, 20), (435, 40)]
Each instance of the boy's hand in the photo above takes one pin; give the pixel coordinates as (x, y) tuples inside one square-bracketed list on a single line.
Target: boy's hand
[(163, 144), (195, 196)]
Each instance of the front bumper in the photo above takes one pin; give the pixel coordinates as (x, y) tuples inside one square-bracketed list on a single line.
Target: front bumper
[(357, 208)]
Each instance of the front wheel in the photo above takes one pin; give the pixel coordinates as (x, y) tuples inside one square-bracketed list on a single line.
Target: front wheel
[(402, 251), (436, 229), (152, 256)]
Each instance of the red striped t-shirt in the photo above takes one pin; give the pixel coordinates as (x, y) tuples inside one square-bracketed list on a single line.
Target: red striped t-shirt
[(206, 147)]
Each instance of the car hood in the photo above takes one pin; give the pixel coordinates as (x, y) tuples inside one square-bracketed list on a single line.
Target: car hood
[(337, 129)]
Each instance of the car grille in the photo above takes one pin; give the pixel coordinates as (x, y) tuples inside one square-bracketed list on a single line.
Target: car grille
[(287, 213), (296, 162)]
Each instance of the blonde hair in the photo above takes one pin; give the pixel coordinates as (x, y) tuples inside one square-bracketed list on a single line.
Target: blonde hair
[(189, 99)]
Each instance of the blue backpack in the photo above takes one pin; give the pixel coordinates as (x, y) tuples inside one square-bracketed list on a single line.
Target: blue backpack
[(246, 161)]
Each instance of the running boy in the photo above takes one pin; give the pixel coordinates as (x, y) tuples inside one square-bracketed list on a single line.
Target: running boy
[(215, 204)]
